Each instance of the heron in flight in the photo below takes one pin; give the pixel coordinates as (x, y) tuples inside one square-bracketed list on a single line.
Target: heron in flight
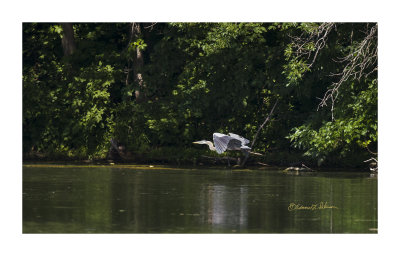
[(223, 142)]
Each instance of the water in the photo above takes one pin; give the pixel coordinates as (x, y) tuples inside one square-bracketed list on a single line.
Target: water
[(131, 200)]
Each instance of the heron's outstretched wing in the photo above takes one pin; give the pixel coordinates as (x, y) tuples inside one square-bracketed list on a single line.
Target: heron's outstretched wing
[(221, 142), (238, 137)]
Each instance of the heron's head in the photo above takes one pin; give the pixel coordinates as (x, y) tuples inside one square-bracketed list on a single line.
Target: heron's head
[(200, 142)]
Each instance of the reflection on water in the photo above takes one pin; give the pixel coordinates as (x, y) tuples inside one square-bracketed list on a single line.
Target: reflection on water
[(223, 214), (121, 200)]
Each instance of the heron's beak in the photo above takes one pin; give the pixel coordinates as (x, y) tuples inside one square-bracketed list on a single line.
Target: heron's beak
[(196, 142)]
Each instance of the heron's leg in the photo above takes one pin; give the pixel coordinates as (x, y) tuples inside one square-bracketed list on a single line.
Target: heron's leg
[(229, 164)]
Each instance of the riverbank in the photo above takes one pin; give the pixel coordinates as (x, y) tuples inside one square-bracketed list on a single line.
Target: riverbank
[(104, 164), (191, 157)]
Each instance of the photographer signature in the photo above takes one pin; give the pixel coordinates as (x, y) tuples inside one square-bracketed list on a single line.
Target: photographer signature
[(313, 207)]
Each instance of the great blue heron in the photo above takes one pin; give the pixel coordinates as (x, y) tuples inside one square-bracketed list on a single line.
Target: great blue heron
[(223, 142)]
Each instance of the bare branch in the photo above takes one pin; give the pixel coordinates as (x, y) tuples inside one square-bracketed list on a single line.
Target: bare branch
[(373, 153), (258, 131), (373, 164), (363, 58), (151, 26), (263, 124), (359, 63), (371, 159), (317, 39)]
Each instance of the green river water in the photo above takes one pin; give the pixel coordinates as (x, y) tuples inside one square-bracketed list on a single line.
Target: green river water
[(123, 199)]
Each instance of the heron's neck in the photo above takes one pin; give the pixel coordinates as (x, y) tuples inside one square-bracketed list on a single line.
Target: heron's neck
[(211, 146)]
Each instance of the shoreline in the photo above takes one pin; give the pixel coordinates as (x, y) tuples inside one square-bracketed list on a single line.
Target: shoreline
[(157, 166)]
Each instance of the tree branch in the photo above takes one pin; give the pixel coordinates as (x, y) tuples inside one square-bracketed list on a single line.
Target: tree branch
[(317, 38), (364, 57), (258, 131)]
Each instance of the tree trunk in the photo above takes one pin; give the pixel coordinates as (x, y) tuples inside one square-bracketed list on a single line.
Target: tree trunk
[(136, 32), (68, 40)]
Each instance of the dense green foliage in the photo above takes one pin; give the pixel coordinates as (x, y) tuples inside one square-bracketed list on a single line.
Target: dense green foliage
[(199, 78)]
